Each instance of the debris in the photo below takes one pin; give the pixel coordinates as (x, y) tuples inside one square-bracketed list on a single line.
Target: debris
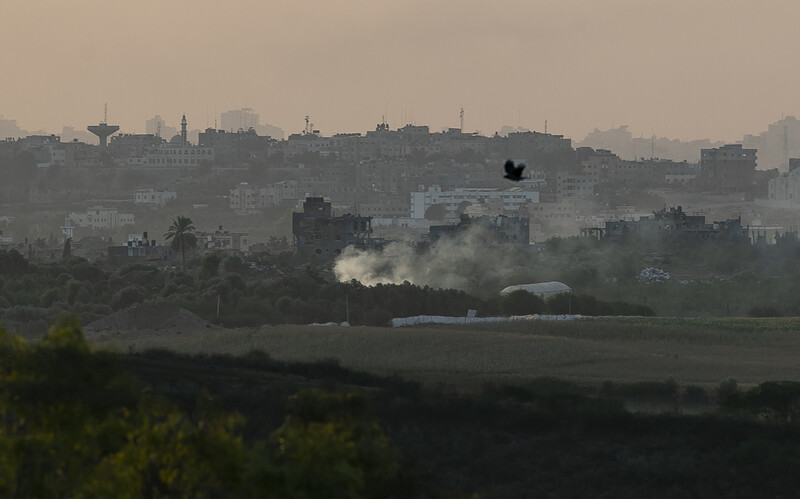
[(653, 274)]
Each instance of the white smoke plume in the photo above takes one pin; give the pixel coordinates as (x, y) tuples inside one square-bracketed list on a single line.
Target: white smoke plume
[(464, 262)]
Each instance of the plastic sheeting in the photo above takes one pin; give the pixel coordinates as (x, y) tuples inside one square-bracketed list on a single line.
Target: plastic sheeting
[(441, 319)]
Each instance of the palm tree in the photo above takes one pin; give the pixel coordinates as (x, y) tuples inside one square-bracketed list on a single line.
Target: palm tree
[(181, 233)]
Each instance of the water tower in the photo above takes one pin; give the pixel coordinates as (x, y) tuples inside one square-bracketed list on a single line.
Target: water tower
[(103, 130)]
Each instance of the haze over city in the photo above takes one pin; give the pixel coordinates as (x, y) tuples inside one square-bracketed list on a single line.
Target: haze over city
[(376, 249), (677, 69)]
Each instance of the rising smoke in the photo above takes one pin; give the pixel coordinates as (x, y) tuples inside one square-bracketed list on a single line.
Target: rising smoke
[(465, 262)]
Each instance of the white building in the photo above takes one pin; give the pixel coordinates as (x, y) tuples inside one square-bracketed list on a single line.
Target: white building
[(509, 200), (222, 240), (785, 188), (275, 194), (98, 217), (152, 197), (178, 154), (246, 199)]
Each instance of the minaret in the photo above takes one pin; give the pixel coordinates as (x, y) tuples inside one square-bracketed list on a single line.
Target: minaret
[(183, 129)]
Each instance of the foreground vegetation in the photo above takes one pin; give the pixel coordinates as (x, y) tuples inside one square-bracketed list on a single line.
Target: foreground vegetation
[(82, 423), (74, 424)]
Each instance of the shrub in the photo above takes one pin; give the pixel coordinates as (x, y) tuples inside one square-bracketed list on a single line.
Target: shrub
[(521, 302), (126, 297), (763, 311)]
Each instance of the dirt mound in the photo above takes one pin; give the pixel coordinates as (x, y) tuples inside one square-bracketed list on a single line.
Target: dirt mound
[(162, 319)]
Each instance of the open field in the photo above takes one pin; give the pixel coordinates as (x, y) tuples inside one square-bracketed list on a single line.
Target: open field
[(691, 351)]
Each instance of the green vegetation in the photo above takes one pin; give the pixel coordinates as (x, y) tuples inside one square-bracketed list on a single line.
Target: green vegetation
[(75, 422), (181, 236), (249, 293)]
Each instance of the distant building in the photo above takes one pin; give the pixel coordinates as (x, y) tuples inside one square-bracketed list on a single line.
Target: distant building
[(247, 199), (785, 188), (234, 149), (302, 143), (605, 167), (81, 155), (177, 154), (728, 169), (529, 144), (383, 205), (673, 225), (222, 241), (98, 217), (491, 230), (153, 198), (317, 232), (158, 128), (140, 248), (246, 119), (547, 216), (278, 192), (683, 173), (572, 186), (510, 200), (776, 145)]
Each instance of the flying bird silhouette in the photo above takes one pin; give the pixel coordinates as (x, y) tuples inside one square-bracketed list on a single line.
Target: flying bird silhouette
[(514, 172)]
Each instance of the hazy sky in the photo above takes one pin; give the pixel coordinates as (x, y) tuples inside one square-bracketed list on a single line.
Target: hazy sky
[(674, 68)]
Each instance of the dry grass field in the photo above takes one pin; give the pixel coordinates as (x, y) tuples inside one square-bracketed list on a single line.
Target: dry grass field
[(691, 351)]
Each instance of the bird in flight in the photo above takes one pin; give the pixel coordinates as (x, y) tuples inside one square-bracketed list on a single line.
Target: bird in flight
[(514, 172)]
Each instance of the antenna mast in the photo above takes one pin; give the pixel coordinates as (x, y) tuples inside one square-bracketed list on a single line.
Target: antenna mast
[(461, 115), (786, 145), (653, 147), (105, 113)]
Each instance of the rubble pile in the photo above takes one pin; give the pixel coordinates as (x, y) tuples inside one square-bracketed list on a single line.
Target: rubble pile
[(653, 274), (164, 319)]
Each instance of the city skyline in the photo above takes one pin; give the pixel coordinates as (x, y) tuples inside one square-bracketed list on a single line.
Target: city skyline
[(716, 70)]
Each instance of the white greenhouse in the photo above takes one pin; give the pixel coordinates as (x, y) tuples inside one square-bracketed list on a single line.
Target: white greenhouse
[(540, 289)]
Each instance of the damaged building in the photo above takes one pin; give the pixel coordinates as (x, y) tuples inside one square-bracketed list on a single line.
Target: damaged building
[(317, 231), (673, 224)]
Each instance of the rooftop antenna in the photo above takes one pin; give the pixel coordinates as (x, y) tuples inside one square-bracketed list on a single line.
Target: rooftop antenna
[(653, 146), (103, 130), (545, 125), (461, 115), (786, 144)]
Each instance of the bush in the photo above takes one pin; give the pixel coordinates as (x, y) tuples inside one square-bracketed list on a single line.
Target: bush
[(763, 311), (126, 297), (49, 297), (521, 302)]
